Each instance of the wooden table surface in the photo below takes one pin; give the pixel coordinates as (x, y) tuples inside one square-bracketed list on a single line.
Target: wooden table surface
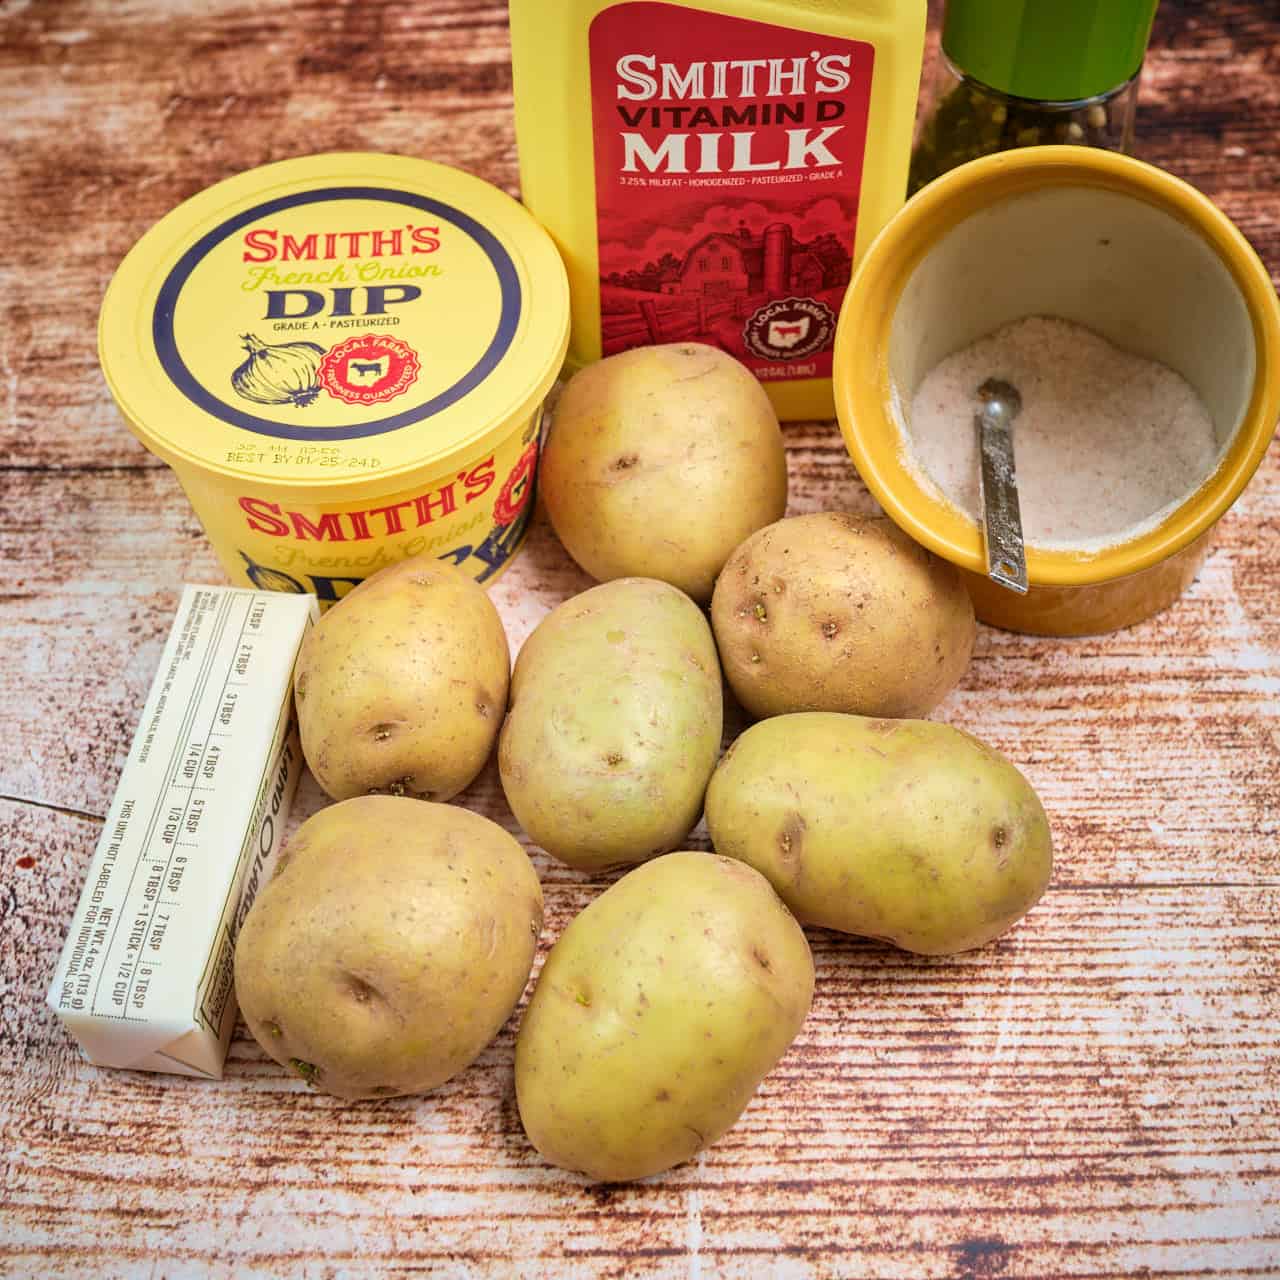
[(1095, 1095)]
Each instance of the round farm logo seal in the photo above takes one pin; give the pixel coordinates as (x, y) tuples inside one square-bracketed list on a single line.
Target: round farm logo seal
[(790, 329), (370, 369), (518, 488)]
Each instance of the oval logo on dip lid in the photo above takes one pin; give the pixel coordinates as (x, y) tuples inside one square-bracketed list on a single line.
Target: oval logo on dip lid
[(304, 321)]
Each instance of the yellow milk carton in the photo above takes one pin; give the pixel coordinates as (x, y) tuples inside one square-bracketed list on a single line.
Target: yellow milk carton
[(712, 172)]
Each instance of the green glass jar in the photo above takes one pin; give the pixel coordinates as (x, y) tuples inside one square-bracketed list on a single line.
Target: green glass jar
[(1017, 73)]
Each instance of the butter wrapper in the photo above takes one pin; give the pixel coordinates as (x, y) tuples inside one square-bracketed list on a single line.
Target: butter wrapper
[(145, 978)]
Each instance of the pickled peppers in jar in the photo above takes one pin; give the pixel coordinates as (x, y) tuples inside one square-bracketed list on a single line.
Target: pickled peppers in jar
[(1019, 73)]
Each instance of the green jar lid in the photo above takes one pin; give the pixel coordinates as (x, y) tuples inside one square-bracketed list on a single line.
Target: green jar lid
[(1051, 50)]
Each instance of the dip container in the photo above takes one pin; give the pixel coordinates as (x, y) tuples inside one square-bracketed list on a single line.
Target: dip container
[(343, 358), (1109, 243)]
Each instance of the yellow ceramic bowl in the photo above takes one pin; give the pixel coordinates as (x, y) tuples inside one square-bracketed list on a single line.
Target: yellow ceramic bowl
[(1108, 242)]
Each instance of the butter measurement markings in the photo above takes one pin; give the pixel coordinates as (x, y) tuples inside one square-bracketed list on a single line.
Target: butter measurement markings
[(240, 658), (140, 967), (198, 607), (222, 613), (243, 652), (261, 804), (177, 782), (177, 844)]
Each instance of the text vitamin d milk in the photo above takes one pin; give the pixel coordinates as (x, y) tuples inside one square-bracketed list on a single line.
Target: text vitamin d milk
[(343, 358), (711, 172)]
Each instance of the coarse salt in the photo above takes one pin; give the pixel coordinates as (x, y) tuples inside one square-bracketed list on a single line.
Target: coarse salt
[(1105, 443)]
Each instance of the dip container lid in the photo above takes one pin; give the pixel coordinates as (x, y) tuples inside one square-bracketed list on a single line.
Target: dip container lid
[(335, 319)]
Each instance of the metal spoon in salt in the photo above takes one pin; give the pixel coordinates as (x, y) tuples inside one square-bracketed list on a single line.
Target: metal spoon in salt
[(1002, 520)]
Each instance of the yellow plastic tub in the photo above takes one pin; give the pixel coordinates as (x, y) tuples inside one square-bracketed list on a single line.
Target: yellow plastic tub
[(1107, 242), (343, 357)]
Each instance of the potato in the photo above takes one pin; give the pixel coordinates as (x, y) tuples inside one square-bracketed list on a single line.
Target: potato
[(390, 947), (402, 685), (904, 830), (656, 1015), (659, 462), (836, 612), (615, 723)]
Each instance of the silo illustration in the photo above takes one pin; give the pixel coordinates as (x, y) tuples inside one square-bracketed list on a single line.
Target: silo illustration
[(777, 259)]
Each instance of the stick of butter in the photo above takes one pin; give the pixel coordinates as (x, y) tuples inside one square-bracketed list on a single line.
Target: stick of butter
[(145, 977)]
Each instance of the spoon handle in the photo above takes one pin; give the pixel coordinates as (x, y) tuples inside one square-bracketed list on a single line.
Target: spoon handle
[(1002, 522)]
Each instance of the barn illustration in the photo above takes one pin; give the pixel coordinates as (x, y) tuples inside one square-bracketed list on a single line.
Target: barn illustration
[(722, 265), (721, 280)]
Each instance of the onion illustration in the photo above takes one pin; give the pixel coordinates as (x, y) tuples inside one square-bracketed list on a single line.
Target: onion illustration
[(283, 374), (266, 579)]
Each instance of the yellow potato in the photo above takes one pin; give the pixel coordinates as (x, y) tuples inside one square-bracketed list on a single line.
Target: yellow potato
[(659, 462), (390, 947), (657, 1014), (615, 724), (401, 687), (905, 830), (836, 612)]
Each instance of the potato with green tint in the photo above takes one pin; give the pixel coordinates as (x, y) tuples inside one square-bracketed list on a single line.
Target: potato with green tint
[(389, 948), (402, 685), (615, 724), (658, 1012), (909, 831), (659, 462), (839, 612)]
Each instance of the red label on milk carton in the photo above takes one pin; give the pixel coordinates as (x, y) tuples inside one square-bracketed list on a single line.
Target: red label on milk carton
[(728, 157)]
